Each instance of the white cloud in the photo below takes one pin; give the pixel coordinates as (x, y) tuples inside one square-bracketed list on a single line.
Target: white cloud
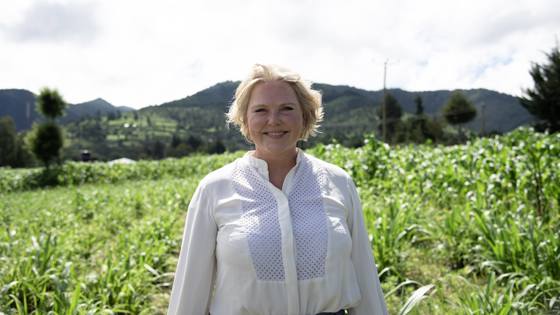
[(50, 21), (140, 53)]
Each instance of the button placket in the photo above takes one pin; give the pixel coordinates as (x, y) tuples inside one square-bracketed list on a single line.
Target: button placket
[(287, 233), (288, 251)]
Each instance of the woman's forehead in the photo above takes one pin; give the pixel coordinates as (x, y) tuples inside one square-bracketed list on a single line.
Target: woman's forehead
[(273, 92)]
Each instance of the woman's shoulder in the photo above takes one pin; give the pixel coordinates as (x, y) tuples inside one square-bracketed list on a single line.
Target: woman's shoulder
[(220, 176), (329, 168)]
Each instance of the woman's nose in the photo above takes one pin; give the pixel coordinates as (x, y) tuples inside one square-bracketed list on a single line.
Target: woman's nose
[(274, 117)]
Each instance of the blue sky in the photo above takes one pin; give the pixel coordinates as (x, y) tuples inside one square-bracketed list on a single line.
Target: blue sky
[(140, 53)]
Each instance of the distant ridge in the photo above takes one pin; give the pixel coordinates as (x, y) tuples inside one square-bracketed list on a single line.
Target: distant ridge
[(92, 108), (344, 105), (217, 95), (498, 112), (20, 105)]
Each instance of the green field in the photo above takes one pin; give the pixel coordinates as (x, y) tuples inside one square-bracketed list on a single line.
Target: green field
[(471, 229)]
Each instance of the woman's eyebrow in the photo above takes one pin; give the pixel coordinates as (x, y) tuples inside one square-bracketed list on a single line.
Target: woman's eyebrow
[(264, 104)]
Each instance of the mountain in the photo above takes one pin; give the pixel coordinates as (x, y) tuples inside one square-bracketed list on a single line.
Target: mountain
[(20, 105), (92, 108), (198, 123), (498, 112), (217, 96), (343, 105)]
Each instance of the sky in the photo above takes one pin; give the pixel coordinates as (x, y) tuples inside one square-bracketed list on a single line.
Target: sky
[(140, 53)]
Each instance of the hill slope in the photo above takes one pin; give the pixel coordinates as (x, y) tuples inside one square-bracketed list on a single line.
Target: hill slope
[(500, 112), (197, 122), (20, 105)]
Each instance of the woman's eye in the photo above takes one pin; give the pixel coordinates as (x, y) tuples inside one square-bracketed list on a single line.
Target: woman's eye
[(288, 108), (259, 110)]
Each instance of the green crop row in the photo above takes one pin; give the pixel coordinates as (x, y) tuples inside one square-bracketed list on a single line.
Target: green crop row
[(79, 173), (469, 229), (485, 210)]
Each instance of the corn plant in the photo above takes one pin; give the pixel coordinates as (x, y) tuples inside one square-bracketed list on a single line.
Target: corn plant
[(478, 223)]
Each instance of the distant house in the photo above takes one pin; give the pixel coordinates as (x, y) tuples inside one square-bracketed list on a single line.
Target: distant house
[(121, 161)]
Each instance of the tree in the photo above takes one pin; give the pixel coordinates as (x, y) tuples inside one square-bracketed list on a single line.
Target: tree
[(47, 142), (8, 141), (433, 130), (419, 107), (24, 157), (50, 103), (158, 150), (175, 140), (193, 142), (47, 139), (543, 100), (216, 147), (393, 113), (419, 131), (458, 110), (13, 150)]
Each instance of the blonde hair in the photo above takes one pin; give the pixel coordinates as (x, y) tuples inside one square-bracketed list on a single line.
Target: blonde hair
[(309, 99)]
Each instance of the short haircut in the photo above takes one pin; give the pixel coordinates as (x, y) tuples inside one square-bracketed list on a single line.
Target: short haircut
[(309, 99)]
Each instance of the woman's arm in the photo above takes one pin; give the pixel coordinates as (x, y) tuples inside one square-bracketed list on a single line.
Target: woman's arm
[(373, 302), (193, 284)]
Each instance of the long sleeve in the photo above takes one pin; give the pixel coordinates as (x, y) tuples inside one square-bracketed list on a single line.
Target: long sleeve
[(373, 301), (193, 283)]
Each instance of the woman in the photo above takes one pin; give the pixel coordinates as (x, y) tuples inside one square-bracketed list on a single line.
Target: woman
[(276, 231)]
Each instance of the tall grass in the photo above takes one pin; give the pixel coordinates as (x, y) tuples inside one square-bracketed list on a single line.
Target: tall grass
[(92, 249), (490, 207), (468, 229)]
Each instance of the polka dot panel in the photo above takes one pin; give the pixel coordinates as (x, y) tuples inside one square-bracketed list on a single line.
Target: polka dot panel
[(260, 217), (309, 221)]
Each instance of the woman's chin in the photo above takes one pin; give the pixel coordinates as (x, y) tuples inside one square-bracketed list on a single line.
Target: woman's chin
[(275, 151)]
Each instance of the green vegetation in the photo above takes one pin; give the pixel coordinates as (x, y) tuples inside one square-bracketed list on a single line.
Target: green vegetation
[(196, 124), (389, 114), (172, 131), (152, 134), (47, 139), (458, 109), (479, 221), (8, 141), (13, 150), (543, 100), (465, 229)]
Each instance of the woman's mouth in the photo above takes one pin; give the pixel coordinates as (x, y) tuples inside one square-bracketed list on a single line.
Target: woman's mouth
[(275, 134)]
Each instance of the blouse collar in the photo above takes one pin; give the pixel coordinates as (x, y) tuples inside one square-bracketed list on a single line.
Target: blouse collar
[(262, 167)]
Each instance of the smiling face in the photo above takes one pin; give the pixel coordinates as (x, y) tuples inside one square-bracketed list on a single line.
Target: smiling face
[(274, 120)]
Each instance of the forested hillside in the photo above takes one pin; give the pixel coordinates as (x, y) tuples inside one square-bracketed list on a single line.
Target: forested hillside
[(20, 105), (197, 123)]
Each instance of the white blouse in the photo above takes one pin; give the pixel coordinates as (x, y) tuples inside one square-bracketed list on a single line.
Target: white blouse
[(251, 248)]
